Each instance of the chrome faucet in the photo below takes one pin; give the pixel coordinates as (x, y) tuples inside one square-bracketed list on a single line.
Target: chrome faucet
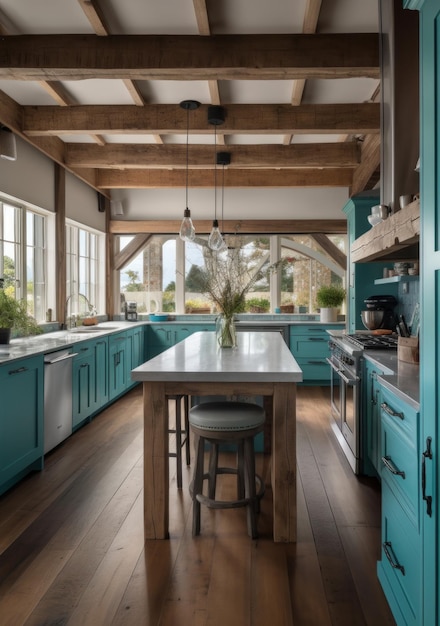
[(72, 319)]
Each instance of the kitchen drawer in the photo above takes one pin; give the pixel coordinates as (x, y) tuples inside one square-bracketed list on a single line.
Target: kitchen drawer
[(404, 417), (400, 572), (314, 369), (400, 466), (313, 329), (310, 346)]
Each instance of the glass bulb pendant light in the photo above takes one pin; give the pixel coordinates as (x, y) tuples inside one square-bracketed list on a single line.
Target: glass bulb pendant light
[(215, 239), (187, 230)]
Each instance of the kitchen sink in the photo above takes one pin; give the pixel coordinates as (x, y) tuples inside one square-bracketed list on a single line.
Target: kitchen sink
[(94, 329)]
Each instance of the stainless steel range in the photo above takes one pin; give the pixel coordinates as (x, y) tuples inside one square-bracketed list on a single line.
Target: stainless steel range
[(346, 354)]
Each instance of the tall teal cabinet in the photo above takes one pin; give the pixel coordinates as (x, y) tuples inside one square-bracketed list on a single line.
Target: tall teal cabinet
[(429, 20), (361, 276)]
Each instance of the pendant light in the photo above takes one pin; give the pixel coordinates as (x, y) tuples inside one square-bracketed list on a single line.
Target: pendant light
[(223, 158), (216, 117), (187, 230)]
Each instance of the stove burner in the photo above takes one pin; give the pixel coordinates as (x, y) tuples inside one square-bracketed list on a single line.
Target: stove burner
[(373, 342)]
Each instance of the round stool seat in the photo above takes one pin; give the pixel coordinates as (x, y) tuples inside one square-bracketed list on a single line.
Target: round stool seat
[(227, 416)]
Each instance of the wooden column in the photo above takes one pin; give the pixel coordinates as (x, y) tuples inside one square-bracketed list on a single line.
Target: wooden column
[(60, 243)]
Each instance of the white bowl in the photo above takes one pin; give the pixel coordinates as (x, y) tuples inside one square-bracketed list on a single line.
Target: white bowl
[(374, 219)]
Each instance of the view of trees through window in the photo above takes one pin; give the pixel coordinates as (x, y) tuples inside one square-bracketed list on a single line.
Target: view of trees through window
[(22, 256), (162, 279)]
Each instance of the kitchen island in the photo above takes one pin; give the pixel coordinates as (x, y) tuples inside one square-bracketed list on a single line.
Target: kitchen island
[(262, 364)]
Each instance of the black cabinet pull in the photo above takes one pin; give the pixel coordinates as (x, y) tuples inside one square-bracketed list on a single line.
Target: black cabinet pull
[(17, 371), (387, 461), (387, 548), (427, 454), (391, 412), (317, 339)]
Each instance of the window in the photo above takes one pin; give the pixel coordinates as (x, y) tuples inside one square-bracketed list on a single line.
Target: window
[(150, 278), (23, 254), (85, 271), (168, 274)]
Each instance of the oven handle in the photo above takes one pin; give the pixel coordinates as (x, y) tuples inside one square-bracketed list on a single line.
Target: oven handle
[(339, 372)]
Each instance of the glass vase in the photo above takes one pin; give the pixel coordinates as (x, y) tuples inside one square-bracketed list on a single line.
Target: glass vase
[(226, 331)]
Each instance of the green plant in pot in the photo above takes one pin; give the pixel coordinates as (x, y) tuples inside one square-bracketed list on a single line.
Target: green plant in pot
[(329, 298), (14, 316)]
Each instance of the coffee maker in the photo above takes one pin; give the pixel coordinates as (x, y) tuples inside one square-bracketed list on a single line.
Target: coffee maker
[(380, 312), (131, 311)]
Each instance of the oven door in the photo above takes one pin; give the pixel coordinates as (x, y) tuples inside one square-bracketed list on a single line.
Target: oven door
[(345, 407)]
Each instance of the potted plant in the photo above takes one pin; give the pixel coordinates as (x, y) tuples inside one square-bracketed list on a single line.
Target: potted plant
[(329, 298), (13, 315)]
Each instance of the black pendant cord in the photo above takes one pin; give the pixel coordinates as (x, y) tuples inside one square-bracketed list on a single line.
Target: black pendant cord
[(215, 173), (187, 157)]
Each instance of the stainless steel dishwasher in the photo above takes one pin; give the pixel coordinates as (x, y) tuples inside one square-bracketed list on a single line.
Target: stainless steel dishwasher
[(57, 397)]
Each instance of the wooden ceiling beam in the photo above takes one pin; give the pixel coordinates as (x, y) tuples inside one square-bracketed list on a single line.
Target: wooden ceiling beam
[(174, 155), (190, 57), (243, 227), (162, 119), (155, 179)]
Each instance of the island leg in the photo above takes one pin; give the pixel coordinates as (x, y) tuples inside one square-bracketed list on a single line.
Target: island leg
[(156, 471), (284, 462)]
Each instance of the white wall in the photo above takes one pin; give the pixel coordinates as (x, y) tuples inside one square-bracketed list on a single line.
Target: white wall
[(30, 178), (256, 203), (82, 203)]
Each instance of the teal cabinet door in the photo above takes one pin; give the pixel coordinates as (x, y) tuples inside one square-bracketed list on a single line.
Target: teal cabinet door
[(21, 419), (83, 383), (160, 337), (371, 421), (101, 372), (118, 365), (400, 567), (309, 346)]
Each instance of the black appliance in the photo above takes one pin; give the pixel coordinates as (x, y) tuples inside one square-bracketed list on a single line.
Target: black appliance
[(131, 311), (386, 304)]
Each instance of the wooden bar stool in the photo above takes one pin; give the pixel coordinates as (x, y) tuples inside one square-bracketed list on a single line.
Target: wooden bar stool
[(226, 423), (182, 434)]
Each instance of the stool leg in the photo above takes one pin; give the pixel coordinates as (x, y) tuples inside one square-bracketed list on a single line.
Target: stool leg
[(187, 437), (249, 460), (240, 471), (213, 465), (197, 483), (179, 441)]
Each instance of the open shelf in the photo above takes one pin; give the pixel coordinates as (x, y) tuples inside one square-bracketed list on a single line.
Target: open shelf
[(406, 278)]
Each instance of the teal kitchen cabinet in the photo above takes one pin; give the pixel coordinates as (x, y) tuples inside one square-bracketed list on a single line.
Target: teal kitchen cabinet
[(119, 364), (309, 346), (100, 351), (135, 351), (21, 419), (361, 276), (160, 337), (371, 435), (400, 567), (83, 383)]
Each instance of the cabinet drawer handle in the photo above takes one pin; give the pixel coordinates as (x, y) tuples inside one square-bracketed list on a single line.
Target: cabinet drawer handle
[(387, 548), (387, 461), (17, 371), (83, 349), (317, 339), (427, 454), (316, 363), (391, 412)]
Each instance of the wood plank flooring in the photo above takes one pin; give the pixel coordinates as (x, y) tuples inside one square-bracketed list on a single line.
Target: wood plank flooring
[(72, 549)]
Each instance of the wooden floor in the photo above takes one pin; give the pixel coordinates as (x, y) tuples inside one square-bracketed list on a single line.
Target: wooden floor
[(72, 549)]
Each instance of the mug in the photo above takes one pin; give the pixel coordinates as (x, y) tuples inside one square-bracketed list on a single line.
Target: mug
[(404, 200)]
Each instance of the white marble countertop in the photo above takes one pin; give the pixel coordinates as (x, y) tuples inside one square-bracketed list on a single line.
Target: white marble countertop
[(260, 356), (48, 342)]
